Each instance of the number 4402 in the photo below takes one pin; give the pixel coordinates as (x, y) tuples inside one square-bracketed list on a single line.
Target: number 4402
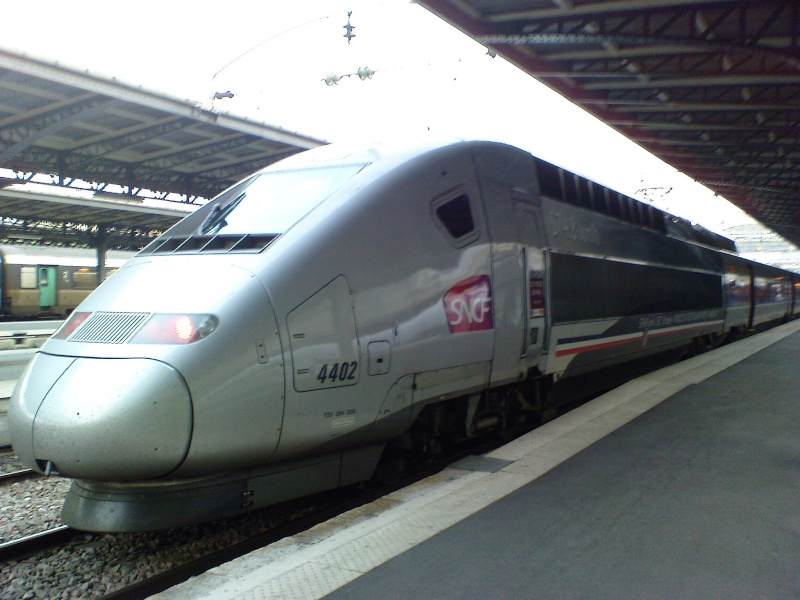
[(340, 372)]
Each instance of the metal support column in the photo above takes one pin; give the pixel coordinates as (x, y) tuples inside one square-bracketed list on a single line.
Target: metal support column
[(101, 245)]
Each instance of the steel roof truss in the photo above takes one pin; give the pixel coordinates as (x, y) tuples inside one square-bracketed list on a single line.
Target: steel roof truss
[(29, 132)]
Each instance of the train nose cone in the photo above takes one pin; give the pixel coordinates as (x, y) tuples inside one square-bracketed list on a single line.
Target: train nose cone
[(107, 419)]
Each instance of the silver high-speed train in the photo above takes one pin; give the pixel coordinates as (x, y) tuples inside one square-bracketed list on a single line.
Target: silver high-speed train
[(346, 301)]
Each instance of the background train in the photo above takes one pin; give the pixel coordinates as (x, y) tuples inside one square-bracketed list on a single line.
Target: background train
[(49, 281), (347, 304)]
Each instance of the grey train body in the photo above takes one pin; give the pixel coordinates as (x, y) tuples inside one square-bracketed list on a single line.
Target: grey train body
[(273, 343)]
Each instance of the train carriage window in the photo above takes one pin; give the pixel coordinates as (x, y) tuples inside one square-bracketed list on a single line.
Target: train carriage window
[(652, 217), (549, 180), (633, 207), (644, 212), (584, 192), (599, 198), (454, 217), (85, 278), (591, 288), (570, 188), (613, 203), (622, 202), (27, 278), (659, 223), (644, 215)]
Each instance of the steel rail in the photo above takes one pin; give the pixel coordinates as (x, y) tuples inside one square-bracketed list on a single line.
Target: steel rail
[(18, 475), (30, 544)]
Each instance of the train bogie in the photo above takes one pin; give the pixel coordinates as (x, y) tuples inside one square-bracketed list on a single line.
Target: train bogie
[(274, 342)]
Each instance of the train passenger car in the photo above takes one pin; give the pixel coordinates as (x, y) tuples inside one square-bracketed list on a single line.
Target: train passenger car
[(795, 288), (772, 291), (757, 294), (49, 281), (345, 305), (620, 287)]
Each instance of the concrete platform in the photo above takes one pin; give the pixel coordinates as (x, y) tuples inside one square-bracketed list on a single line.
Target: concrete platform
[(684, 483)]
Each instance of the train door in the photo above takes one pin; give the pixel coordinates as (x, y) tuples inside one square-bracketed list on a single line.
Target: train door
[(796, 294), (508, 306), (47, 287), (532, 240)]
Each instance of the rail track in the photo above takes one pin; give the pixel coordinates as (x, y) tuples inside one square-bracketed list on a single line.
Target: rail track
[(18, 475), (25, 545), (36, 542)]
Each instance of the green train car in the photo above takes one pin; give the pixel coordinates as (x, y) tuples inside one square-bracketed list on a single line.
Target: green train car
[(49, 281)]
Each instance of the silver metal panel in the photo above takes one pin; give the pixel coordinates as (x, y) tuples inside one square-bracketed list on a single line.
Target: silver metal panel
[(380, 357), (399, 301), (394, 415), (322, 335), (28, 396), (771, 311), (115, 419), (167, 502), (235, 374), (507, 287), (446, 383), (148, 506)]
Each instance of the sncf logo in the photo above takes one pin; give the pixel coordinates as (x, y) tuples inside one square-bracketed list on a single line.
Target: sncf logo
[(468, 305)]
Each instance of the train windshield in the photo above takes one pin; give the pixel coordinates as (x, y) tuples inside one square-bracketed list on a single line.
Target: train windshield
[(274, 200)]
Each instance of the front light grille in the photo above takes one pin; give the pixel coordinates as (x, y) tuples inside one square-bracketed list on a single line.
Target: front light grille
[(109, 327)]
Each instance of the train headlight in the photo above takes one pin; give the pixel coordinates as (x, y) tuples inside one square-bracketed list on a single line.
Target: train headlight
[(175, 329), (184, 328)]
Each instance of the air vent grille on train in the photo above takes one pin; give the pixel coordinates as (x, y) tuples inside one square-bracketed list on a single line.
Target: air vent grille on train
[(195, 244), (109, 327)]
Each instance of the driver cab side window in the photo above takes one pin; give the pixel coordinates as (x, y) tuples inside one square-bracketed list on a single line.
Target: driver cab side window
[(453, 215)]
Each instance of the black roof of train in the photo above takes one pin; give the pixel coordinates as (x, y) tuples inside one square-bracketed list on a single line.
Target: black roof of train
[(710, 87)]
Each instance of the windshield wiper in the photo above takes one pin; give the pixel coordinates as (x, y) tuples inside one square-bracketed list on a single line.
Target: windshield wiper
[(216, 218)]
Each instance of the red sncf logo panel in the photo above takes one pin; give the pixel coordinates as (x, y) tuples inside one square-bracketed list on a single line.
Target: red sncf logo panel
[(468, 305)]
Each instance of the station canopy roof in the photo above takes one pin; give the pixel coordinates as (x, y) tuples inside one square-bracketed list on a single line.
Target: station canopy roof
[(94, 134), (711, 87)]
